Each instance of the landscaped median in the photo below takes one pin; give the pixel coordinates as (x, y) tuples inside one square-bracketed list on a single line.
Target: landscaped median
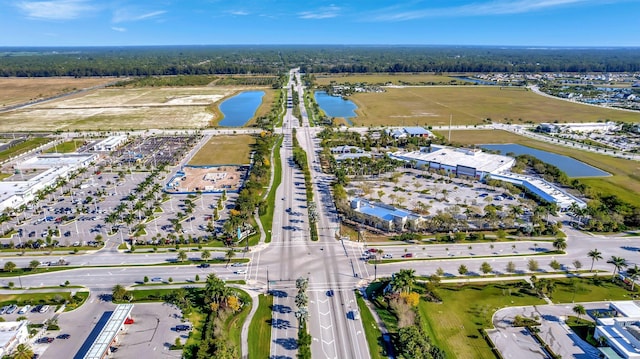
[(260, 328)]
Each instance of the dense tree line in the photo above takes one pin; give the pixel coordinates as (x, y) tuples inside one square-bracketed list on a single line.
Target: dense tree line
[(206, 60)]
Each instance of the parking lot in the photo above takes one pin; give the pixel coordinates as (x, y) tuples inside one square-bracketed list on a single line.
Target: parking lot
[(103, 204)]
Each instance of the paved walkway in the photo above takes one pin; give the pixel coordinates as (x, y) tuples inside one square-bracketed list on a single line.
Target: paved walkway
[(382, 327)]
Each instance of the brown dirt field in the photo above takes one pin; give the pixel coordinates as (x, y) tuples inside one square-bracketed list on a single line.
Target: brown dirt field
[(17, 90), (469, 105), (211, 179)]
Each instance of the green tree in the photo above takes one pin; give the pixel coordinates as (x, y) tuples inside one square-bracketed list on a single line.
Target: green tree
[(119, 292), (145, 279), (486, 268), (560, 244), (618, 263), (595, 255), (555, 265), (463, 270), (633, 274), (579, 310), (205, 255), (22, 351), (229, 255), (403, 280), (511, 267), (9, 266), (182, 255), (34, 264), (533, 265)]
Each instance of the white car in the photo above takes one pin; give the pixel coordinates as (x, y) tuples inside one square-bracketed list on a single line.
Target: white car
[(387, 256), (241, 271), (24, 309)]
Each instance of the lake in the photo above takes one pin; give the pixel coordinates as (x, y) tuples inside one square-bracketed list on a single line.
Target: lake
[(573, 168), (239, 109), (335, 106)]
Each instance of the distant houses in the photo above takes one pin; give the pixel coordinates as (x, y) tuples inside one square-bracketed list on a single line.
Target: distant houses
[(404, 132)]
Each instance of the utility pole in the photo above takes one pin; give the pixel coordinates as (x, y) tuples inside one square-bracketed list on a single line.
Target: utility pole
[(450, 121)]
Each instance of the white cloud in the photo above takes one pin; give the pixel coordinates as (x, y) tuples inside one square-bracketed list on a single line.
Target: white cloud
[(496, 7), (238, 13), (128, 15), (119, 29), (56, 9), (321, 13)]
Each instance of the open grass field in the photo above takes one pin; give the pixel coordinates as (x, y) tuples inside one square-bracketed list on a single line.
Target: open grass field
[(222, 150), (260, 330), (23, 147), (454, 325), (382, 79), (571, 290), (14, 91), (625, 179), (66, 147), (432, 106)]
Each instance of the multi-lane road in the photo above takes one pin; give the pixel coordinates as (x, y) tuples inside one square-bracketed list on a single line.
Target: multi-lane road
[(334, 269)]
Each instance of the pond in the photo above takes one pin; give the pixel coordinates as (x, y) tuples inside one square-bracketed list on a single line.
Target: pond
[(573, 168), (474, 80), (336, 106), (239, 109)]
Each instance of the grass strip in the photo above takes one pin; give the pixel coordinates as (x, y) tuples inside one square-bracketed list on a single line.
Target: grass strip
[(260, 329), (371, 330), (267, 218)]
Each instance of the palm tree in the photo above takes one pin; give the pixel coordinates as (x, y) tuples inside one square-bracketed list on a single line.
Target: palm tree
[(230, 254), (595, 255), (403, 280), (182, 255), (560, 244), (618, 263), (633, 274), (206, 254), (23, 351), (579, 310)]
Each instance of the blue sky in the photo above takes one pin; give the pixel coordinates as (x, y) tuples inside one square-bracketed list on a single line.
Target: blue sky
[(429, 22)]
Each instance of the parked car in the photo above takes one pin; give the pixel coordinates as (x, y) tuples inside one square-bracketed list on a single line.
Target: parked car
[(12, 308), (182, 327), (24, 309), (4, 309), (44, 309)]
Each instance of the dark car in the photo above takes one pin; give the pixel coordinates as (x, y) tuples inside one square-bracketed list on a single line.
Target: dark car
[(63, 336), (204, 265), (182, 327), (45, 340)]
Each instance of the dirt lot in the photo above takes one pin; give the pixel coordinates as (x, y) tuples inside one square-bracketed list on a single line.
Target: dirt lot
[(211, 179), (19, 90), (121, 108)]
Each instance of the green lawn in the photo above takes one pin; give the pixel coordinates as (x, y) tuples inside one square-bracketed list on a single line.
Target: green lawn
[(260, 329), (455, 323), (371, 330), (51, 298), (570, 290), (23, 147), (66, 147)]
